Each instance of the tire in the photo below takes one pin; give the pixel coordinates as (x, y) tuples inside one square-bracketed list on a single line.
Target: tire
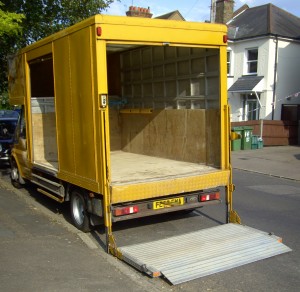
[(79, 214), (15, 175)]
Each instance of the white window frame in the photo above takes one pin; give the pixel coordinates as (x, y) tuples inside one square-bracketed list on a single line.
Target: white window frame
[(248, 62), (229, 62)]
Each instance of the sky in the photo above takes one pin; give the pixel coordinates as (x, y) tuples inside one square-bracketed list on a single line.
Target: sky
[(194, 10)]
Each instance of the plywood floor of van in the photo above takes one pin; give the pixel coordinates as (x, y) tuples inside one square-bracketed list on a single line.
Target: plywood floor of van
[(129, 168)]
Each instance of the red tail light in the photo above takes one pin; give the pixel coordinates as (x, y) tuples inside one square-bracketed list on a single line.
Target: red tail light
[(125, 210), (209, 197)]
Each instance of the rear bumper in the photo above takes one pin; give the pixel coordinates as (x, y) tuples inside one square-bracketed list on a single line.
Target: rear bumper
[(147, 208), (163, 211)]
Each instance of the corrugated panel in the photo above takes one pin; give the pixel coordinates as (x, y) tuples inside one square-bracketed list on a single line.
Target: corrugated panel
[(190, 256)]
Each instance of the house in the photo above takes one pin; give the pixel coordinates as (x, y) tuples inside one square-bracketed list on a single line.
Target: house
[(174, 15), (145, 12), (263, 63)]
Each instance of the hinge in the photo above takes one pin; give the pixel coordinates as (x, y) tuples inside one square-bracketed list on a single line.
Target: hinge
[(231, 188), (107, 172), (234, 217), (112, 246)]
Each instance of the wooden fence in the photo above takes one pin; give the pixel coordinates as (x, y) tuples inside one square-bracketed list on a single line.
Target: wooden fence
[(274, 133)]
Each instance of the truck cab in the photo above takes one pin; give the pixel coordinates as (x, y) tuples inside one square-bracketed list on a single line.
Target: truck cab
[(8, 123)]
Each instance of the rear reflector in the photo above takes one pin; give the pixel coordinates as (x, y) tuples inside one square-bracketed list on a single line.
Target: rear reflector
[(99, 31), (209, 197), (125, 210)]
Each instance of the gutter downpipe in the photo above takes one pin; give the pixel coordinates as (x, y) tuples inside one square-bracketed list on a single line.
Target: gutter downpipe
[(275, 77), (261, 121)]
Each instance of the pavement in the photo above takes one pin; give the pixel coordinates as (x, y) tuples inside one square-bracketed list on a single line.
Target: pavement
[(278, 161), (41, 251)]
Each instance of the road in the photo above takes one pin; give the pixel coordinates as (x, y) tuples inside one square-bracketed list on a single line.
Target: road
[(40, 250)]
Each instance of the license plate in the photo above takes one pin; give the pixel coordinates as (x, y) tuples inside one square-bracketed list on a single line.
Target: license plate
[(168, 203)]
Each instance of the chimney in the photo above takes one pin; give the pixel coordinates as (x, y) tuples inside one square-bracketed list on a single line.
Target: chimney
[(224, 11), (139, 12), (213, 11)]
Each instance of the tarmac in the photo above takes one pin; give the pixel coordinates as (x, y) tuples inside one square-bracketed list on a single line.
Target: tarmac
[(41, 251)]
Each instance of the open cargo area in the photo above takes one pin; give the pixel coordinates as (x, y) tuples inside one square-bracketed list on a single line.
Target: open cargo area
[(164, 114), (164, 118)]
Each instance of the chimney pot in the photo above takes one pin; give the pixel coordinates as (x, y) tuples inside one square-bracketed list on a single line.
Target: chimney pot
[(139, 12)]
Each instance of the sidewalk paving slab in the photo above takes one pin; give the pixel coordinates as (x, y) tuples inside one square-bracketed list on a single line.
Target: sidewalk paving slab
[(279, 161)]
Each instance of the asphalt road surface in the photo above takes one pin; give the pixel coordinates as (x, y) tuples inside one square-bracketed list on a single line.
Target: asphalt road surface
[(263, 202)]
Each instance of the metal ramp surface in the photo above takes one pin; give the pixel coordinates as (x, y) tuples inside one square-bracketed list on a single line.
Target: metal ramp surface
[(190, 256)]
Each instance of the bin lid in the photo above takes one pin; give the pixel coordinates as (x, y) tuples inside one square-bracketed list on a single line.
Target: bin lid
[(236, 129)]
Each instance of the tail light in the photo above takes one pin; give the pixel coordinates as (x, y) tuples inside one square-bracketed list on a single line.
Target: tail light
[(209, 197), (125, 210)]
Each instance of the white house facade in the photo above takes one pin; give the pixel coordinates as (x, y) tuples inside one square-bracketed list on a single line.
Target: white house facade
[(264, 64)]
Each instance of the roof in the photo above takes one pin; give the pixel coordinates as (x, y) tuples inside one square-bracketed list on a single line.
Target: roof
[(174, 15), (246, 84), (240, 10), (264, 20), (187, 31)]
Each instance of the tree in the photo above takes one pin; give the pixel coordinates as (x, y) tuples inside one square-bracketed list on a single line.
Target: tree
[(44, 17), (41, 18), (10, 26), (10, 23)]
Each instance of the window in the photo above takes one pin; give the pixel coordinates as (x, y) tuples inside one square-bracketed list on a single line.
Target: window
[(251, 107), (251, 61), (228, 62), (20, 131)]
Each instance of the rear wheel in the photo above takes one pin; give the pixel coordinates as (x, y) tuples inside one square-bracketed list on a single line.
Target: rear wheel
[(79, 212), (15, 175)]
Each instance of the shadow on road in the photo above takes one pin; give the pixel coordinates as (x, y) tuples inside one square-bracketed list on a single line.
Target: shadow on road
[(31, 190)]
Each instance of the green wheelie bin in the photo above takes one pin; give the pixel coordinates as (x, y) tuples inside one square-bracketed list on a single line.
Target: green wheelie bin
[(237, 144), (246, 138)]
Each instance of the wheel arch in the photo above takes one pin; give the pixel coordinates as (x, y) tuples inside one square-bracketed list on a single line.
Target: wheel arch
[(79, 208), (14, 159)]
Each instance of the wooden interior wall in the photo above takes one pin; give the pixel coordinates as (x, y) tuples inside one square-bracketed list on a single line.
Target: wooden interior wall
[(186, 135), (44, 137), (213, 138), (115, 129)]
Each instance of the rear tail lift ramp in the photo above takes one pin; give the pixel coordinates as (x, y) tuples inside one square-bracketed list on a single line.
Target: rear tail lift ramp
[(197, 254)]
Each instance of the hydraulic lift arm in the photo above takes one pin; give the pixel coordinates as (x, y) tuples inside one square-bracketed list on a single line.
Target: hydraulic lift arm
[(232, 215)]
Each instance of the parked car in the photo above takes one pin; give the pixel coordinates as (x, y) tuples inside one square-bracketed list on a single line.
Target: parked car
[(8, 123)]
